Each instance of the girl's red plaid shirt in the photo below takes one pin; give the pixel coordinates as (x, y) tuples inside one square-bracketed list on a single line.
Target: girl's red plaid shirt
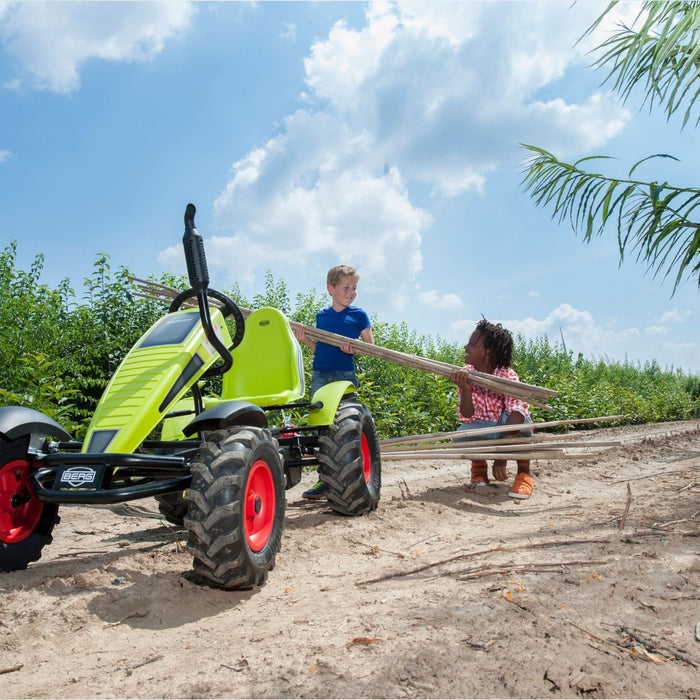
[(489, 405)]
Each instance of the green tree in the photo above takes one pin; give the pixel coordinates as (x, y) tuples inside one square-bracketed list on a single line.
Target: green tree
[(33, 319), (57, 354), (658, 221)]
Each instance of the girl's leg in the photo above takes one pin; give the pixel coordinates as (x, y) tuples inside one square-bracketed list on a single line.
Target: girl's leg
[(479, 476), (523, 466), (499, 466)]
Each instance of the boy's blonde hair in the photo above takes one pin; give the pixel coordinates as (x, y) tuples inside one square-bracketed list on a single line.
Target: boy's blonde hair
[(337, 272)]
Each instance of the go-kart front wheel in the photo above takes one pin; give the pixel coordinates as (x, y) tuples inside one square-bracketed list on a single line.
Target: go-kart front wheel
[(26, 523), (236, 507)]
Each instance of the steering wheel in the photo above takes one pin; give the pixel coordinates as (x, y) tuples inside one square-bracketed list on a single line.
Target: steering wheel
[(228, 308)]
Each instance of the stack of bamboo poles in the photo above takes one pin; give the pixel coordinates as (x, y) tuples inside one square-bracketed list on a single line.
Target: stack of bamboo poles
[(533, 395), (443, 446)]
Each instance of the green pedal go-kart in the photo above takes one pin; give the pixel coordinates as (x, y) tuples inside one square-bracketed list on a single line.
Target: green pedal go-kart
[(213, 463)]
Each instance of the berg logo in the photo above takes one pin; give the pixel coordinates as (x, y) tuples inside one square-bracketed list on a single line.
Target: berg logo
[(78, 476)]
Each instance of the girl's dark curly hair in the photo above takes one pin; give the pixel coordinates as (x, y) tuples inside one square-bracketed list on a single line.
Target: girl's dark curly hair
[(498, 340)]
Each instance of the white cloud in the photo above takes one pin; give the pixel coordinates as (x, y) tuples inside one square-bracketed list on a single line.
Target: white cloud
[(445, 302), (340, 66), (432, 95), (675, 316), (583, 334), (316, 191), (49, 41), (5, 155), (597, 120), (289, 32)]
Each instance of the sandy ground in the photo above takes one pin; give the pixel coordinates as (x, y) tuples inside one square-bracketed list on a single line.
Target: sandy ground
[(588, 589)]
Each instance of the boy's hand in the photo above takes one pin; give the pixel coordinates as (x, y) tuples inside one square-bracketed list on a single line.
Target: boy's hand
[(345, 347), (300, 335)]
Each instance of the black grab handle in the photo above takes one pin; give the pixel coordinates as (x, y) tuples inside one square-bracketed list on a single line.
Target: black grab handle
[(196, 261), (194, 252)]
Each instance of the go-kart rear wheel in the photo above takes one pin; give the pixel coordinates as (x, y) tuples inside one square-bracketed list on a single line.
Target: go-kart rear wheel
[(236, 507), (349, 461), (173, 507), (26, 523)]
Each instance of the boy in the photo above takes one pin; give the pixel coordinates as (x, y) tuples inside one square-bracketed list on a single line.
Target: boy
[(490, 350), (332, 364)]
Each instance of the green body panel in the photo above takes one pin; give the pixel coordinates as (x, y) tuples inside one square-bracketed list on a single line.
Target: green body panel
[(330, 395), (152, 377), (173, 427)]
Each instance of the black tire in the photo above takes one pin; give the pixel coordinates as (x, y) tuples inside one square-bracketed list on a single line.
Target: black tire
[(173, 507), (26, 523), (349, 461), (236, 507)]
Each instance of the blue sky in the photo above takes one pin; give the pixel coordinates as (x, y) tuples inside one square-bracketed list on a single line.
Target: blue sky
[(384, 135)]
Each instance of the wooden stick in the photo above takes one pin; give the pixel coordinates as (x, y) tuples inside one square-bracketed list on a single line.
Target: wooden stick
[(465, 447), (11, 669), (432, 437), (604, 641), (483, 456), (512, 444), (547, 566), (636, 635), (149, 660), (468, 555), (627, 507), (527, 392)]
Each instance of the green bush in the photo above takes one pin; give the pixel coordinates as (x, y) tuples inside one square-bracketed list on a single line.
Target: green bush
[(57, 355)]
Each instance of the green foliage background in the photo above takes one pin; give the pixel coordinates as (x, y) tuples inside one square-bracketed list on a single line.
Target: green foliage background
[(57, 353)]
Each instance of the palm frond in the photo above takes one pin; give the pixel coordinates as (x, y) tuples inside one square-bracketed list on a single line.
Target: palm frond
[(662, 56), (657, 221)]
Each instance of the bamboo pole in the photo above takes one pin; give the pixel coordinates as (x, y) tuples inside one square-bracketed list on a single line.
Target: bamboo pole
[(509, 449), (433, 437), (539, 441), (499, 384), (483, 456), (528, 392)]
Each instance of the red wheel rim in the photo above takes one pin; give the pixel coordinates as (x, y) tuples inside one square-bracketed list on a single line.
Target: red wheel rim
[(259, 509), (20, 510), (366, 458)]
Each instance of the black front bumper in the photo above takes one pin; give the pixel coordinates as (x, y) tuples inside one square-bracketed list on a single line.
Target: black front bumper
[(104, 478)]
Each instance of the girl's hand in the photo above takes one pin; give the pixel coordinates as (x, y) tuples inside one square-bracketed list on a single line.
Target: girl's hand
[(499, 471), (461, 378)]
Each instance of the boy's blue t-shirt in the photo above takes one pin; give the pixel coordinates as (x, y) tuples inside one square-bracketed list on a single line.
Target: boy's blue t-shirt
[(349, 322)]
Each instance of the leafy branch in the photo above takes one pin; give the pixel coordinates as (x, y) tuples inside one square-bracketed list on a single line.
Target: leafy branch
[(659, 221)]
